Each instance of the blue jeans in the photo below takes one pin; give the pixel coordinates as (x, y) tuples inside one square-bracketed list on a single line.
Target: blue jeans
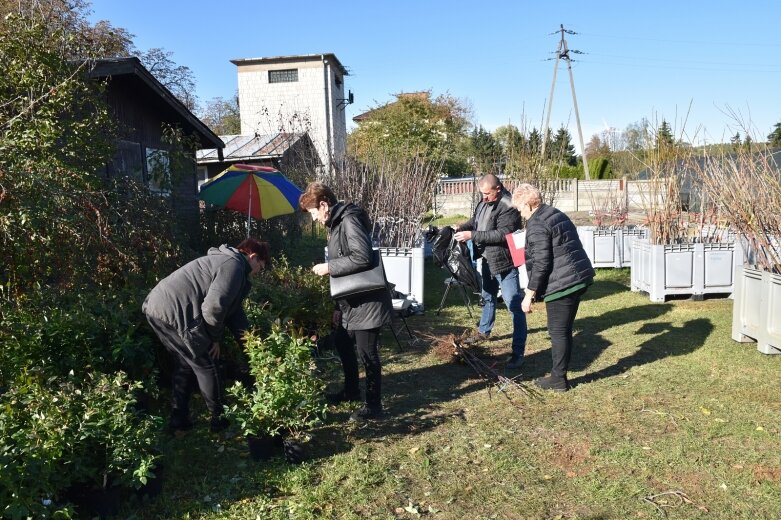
[(511, 294)]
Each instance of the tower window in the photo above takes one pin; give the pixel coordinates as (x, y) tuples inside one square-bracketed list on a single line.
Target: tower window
[(283, 76)]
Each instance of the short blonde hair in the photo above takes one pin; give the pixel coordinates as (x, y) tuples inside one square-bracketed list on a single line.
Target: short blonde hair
[(526, 194)]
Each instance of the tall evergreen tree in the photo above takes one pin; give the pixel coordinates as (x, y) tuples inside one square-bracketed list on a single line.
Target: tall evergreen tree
[(484, 151), (562, 147), (534, 143), (774, 137)]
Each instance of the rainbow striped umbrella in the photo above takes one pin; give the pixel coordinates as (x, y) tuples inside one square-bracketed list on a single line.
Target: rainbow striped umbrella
[(256, 191)]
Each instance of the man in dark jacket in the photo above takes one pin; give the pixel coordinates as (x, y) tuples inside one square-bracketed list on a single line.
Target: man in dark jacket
[(494, 218), (189, 311)]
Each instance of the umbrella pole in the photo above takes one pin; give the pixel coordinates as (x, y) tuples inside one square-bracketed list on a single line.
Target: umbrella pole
[(249, 207)]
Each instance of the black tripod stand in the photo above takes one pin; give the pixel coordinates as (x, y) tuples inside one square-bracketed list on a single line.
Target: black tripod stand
[(450, 282)]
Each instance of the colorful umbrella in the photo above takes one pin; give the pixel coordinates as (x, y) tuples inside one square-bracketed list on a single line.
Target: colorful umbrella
[(256, 191)]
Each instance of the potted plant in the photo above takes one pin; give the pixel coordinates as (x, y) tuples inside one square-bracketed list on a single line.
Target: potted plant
[(286, 397), (746, 184), (608, 241), (66, 441), (690, 249)]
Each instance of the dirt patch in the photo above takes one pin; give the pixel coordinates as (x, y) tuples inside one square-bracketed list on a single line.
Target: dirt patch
[(767, 473), (572, 456)]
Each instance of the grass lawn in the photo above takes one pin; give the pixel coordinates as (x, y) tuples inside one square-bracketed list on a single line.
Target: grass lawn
[(667, 415)]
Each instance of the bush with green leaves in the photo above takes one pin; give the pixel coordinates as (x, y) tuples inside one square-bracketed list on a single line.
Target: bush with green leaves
[(287, 395), (86, 332), (65, 431), (292, 294)]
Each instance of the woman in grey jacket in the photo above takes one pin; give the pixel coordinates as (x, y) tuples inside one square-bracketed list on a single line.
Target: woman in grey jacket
[(189, 311), (362, 315), (559, 273)]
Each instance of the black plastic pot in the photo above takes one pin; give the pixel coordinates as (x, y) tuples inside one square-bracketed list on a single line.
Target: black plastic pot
[(153, 486), (295, 452), (91, 502), (262, 447)]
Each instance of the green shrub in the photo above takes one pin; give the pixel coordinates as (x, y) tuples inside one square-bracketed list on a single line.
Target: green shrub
[(64, 431), (287, 396), (292, 294), (88, 332)]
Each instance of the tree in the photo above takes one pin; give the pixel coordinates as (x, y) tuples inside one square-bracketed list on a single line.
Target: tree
[(512, 147), (77, 38), (49, 111), (597, 147), (223, 116), (562, 148), (534, 143), (664, 136), (636, 136), (415, 126), (774, 137), (176, 78), (484, 151)]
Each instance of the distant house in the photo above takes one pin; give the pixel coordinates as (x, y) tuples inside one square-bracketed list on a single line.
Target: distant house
[(296, 94), (283, 151), (689, 182), (141, 105), (367, 116)]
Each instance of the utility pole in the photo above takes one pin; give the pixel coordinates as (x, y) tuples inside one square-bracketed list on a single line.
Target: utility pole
[(562, 53)]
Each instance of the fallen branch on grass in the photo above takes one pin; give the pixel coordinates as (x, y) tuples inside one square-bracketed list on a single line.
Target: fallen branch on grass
[(679, 495), (451, 348)]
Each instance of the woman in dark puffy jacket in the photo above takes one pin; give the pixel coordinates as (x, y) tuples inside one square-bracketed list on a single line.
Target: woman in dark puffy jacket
[(559, 273), (362, 315)]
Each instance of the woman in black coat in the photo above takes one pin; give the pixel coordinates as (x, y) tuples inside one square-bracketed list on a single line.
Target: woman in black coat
[(363, 315), (559, 273)]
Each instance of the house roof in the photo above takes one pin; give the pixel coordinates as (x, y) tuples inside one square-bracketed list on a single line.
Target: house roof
[(132, 67), (249, 147), (292, 59), (425, 94)]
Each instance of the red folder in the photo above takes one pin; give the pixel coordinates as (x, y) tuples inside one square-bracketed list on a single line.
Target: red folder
[(517, 243)]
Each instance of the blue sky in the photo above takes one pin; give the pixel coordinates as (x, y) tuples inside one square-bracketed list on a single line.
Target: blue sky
[(707, 67)]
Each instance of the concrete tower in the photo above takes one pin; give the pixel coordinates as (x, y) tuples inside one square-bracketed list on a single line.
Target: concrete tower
[(296, 94)]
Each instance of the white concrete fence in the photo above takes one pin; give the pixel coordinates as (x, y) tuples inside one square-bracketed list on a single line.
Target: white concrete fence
[(460, 195)]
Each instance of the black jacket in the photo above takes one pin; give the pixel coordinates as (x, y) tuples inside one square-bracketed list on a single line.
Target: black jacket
[(555, 259), (489, 225), (349, 251), (202, 298)]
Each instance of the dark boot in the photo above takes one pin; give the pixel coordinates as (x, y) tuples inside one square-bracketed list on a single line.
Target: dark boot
[(556, 384), (342, 396), (218, 424), (367, 413)]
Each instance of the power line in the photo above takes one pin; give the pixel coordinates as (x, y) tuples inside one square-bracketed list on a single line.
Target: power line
[(675, 61), (673, 67), (698, 42)]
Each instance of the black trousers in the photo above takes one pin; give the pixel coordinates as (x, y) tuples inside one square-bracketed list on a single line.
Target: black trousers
[(366, 342), (188, 371), (561, 317)]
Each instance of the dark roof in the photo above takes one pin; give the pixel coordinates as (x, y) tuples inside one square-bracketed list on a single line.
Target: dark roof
[(683, 166), (131, 66), (290, 59), (248, 147)]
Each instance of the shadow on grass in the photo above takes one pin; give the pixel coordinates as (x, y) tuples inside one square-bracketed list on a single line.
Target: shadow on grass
[(416, 400), (604, 288), (668, 341)]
